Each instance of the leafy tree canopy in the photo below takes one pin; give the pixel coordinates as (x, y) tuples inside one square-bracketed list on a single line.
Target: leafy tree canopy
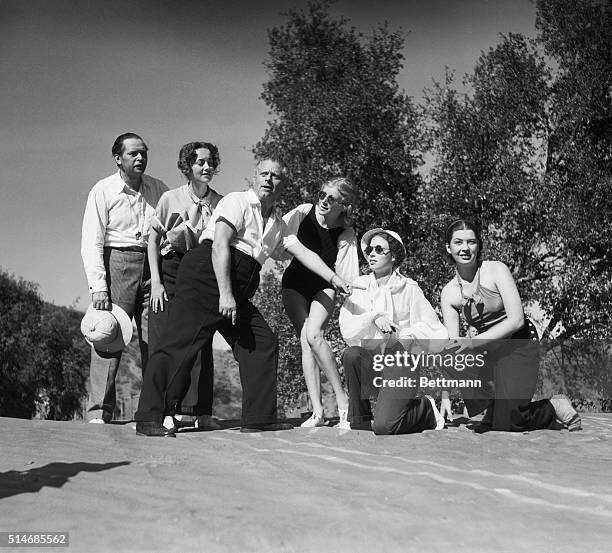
[(525, 149), (43, 357), (339, 112), (523, 146)]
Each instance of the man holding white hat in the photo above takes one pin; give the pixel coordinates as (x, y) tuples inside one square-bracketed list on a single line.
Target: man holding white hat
[(114, 250), (107, 331)]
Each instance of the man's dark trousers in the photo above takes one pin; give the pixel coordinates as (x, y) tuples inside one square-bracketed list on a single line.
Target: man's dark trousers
[(193, 319)]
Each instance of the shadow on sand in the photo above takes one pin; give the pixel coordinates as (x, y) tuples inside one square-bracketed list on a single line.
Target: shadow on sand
[(54, 475), (230, 424)]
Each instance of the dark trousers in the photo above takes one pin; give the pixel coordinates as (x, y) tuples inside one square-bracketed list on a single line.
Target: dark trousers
[(513, 366), (199, 397), (398, 410), (193, 318)]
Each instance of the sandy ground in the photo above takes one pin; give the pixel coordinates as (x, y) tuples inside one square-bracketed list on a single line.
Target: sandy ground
[(305, 490)]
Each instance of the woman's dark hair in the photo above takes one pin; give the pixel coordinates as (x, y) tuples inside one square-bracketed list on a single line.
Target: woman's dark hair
[(462, 224), (117, 148), (187, 156), (398, 252)]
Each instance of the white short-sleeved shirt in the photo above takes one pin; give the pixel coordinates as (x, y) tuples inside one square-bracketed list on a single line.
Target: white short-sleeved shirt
[(243, 211)]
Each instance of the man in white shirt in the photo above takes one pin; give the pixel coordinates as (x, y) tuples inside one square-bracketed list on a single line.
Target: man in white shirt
[(114, 251), (215, 282)]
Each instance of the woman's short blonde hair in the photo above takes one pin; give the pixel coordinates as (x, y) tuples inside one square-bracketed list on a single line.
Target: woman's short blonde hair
[(348, 195)]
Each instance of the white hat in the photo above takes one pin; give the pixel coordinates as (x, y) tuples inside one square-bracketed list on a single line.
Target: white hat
[(107, 330), (365, 239)]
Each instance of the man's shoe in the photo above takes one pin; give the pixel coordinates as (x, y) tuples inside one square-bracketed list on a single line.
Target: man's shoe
[(270, 427), (169, 424), (154, 429), (565, 413), (206, 422), (183, 421)]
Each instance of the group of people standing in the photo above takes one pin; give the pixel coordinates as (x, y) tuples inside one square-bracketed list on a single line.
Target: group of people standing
[(190, 259)]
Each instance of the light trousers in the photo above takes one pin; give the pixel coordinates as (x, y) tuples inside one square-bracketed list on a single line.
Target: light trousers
[(129, 284)]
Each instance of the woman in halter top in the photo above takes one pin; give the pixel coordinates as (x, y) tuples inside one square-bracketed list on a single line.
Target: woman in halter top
[(485, 293)]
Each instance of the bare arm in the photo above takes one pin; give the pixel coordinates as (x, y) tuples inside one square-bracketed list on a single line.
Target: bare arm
[(450, 301), (314, 263), (515, 318), (450, 315), (158, 292), (224, 232)]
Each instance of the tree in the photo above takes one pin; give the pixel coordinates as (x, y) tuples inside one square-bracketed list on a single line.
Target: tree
[(338, 112), (578, 37), (63, 356), (484, 143), (526, 150), (20, 308), (43, 357)]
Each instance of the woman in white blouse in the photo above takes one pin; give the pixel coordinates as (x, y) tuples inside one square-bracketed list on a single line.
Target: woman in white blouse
[(180, 218), (390, 315)]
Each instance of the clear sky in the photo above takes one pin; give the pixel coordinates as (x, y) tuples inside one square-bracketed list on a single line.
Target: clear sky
[(76, 73)]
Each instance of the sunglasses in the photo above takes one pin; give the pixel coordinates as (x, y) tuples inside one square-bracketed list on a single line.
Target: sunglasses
[(378, 250), (323, 197)]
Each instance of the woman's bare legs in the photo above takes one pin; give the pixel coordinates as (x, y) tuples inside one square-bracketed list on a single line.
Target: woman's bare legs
[(321, 309), (297, 309)]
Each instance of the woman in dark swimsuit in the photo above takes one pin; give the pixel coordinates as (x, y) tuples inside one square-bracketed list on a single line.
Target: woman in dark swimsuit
[(486, 294), (309, 300)]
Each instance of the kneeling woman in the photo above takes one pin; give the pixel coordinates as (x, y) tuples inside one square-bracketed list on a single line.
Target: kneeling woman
[(486, 294), (391, 310)]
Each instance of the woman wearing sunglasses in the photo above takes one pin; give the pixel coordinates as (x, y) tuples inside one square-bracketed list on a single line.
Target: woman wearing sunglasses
[(309, 300), (485, 293), (390, 314)]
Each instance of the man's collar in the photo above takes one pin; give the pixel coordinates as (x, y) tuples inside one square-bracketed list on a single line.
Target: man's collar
[(252, 197), (119, 185), (254, 200)]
